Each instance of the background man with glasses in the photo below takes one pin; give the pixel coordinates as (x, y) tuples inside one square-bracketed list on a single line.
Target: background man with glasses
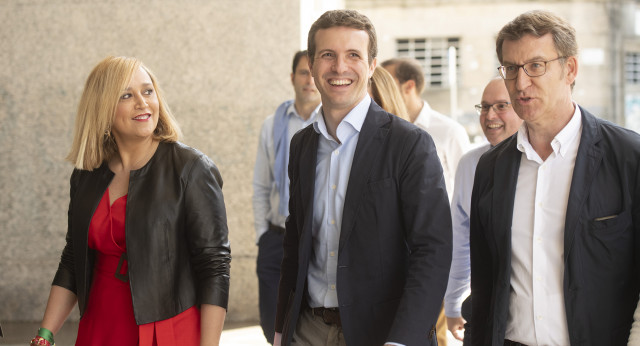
[(555, 209), (498, 121)]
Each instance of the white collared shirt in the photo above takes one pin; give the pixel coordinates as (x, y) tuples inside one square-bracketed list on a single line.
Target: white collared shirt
[(450, 138), (536, 304), (333, 167)]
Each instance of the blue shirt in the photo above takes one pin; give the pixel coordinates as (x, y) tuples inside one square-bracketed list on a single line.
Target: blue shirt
[(460, 274), (266, 198), (333, 167)]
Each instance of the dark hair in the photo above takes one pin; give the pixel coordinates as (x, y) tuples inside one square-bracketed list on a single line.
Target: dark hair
[(407, 69), (348, 18), (539, 23), (296, 60)]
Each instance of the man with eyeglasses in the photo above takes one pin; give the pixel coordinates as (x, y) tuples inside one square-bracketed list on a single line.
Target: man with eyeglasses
[(555, 208), (498, 121)]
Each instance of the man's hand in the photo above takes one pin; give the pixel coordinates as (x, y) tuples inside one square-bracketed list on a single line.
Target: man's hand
[(277, 339), (456, 327)]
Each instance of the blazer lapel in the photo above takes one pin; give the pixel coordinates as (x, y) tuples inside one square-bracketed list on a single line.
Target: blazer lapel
[(585, 169), (370, 141), (504, 191)]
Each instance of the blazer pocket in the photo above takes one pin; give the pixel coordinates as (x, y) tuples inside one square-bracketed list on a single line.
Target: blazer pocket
[(610, 222)]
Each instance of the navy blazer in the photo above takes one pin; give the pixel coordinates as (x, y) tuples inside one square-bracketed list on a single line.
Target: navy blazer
[(601, 257), (395, 242)]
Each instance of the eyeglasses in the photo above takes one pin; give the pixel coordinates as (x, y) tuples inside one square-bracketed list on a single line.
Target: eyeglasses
[(532, 69), (499, 108)]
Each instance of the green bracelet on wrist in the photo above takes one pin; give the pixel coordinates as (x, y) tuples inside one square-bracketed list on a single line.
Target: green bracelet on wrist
[(46, 334)]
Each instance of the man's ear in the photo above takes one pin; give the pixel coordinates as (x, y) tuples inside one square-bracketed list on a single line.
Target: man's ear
[(408, 87), (571, 69), (372, 66)]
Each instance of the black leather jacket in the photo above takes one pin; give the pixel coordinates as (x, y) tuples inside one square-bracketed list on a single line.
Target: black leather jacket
[(176, 234)]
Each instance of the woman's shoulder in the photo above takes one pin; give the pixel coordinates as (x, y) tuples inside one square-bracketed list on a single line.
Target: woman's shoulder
[(186, 156)]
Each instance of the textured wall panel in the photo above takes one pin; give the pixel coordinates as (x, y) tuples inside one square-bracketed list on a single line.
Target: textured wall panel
[(224, 66)]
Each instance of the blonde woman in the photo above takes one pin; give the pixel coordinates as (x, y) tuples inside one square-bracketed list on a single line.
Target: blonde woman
[(147, 254), (384, 91)]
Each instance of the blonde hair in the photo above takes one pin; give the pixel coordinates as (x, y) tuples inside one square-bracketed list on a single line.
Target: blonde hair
[(93, 143), (385, 92)]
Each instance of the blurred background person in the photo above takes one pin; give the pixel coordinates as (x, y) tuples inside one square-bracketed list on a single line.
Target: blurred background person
[(147, 254), (498, 121), (451, 139), (271, 184), (384, 91)]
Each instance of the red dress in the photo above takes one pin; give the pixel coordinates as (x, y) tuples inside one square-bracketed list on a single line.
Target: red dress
[(108, 318)]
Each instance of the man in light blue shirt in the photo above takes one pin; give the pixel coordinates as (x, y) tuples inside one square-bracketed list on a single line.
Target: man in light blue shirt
[(271, 184), (498, 121), (367, 246)]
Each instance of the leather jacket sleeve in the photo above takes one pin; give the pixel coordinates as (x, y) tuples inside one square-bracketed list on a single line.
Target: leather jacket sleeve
[(65, 276), (207, 233)]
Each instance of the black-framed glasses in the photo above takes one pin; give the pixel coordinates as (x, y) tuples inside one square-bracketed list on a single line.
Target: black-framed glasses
[(499, 107), (532, 69)]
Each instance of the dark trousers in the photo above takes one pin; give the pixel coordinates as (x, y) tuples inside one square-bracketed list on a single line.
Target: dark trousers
[(465, 311), (268, 269)]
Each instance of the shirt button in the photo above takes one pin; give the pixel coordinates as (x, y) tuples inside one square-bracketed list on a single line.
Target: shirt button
[(539, 239), (333, 287), (336, 152), (332, 253), (539, 318), (333, 187), (332, 222)]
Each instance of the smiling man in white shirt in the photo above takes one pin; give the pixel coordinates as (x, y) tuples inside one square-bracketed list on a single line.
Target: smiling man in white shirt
[(555, 209)]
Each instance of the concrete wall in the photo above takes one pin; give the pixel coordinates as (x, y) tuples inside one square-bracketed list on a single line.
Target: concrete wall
[(224, 65)]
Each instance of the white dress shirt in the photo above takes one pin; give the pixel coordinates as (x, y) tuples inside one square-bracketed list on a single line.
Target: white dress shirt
[(460, 274), (536, 304), (266, 198), (333, 167), (451, 141)]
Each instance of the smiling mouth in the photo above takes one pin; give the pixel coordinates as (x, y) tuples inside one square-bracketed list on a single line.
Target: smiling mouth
[(494, 126), (340, 82), (143, 116)]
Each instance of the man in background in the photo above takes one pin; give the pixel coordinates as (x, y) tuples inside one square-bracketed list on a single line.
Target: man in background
[(498, 121), (271, 183), (450, 137)]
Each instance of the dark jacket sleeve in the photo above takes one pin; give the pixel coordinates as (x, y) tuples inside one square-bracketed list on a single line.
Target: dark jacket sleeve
[(207, 233), (65, 276), (426, 218), (289, 267), (482, 276)]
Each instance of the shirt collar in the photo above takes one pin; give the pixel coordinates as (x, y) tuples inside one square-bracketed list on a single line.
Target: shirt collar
[(424, 116), (291, 111), (560, 143), (352, 121)]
